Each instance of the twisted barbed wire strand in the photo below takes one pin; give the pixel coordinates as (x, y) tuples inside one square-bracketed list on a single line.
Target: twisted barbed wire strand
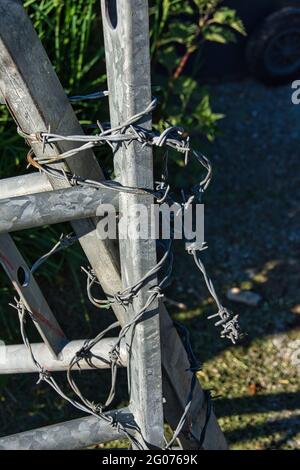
[(172, 137), (88, 407)]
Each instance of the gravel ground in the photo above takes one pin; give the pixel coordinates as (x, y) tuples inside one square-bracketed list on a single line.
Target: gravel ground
[(253, 233)]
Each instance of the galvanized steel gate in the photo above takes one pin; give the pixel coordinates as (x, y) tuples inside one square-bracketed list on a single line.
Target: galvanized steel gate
[(160, 369)]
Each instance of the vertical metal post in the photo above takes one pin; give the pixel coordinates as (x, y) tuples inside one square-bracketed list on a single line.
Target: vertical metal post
[(126, 37)]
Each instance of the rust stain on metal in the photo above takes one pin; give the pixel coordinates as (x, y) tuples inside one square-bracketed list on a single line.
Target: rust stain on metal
[(31, 161), (6, 261), (39, 317)]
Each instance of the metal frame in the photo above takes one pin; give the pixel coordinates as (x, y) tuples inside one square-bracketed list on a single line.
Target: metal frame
[(35, 98)]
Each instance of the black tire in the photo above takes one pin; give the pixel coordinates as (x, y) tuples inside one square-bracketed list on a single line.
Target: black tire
[(273, 51)]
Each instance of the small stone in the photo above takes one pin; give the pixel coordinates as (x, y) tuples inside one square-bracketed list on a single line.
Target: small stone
[(243, 296), (296, 309)]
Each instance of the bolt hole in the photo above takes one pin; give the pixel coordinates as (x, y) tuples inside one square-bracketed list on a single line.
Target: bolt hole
[(23, 277), (111, 13)]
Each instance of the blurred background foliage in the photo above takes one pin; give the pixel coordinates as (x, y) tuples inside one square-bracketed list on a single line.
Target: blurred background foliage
[(71, 33)]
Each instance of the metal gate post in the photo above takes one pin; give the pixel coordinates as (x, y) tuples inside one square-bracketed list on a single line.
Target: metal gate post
[(126, 38)]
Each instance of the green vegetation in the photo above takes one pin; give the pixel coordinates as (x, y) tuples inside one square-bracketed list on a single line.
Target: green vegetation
[(68, 29)]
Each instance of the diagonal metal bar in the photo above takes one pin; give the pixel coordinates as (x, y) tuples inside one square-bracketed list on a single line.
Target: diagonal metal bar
[(75, 434), (30, 293), (128, 73), (52, 207), (177, 379)]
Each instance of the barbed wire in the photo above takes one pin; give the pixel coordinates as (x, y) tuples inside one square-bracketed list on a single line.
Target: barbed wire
[(85, 353), (228, 321), (173, 138), (90, 96), (63, 242), (46, 376), (194, 368)]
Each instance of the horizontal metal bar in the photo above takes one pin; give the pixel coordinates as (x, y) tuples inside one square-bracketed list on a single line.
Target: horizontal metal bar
[(16, 359), (24, 184), (75, 434), (51, 207)]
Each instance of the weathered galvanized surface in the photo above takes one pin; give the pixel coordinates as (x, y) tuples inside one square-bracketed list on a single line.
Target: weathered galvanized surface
[(126, 38), (16, 359), (24, 184), (34, 210), (31, 295), (74, 434)]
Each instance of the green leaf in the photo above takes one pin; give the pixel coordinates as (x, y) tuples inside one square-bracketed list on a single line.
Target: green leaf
[(180, 33), (184, 87), (217, 33), (227, 17), (206, 117), (206, 6), (168, 58)]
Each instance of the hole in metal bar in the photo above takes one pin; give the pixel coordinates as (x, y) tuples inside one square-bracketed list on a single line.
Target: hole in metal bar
[(23, 277), (111, 13)]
